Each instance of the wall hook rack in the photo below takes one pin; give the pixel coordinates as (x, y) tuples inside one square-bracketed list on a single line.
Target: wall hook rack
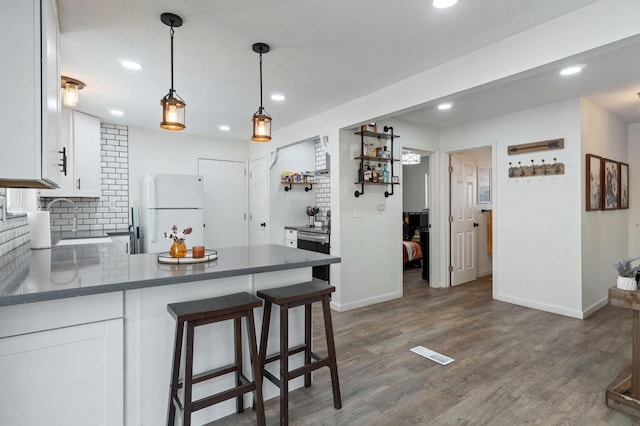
[(542, 169)]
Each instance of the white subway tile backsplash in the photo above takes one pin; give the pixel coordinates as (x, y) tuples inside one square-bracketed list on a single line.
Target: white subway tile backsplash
[(111, 210)]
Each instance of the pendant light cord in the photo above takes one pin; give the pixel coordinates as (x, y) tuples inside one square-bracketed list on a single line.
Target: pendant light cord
[(261, 83), (172, 60)]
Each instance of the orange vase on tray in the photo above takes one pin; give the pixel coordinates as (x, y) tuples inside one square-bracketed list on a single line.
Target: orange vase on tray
[(178, 249)]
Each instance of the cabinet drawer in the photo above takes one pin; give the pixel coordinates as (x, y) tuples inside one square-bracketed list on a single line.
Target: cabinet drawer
[(292, 243), (290, 234)]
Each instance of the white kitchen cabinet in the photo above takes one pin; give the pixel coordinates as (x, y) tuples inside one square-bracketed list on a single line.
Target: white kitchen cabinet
[(79, 153), (291, 238), (29, 139), (62, 363)]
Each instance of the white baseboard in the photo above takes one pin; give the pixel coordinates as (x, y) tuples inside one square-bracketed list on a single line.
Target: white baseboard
[(593, 308), (365, 302), (572, 313)]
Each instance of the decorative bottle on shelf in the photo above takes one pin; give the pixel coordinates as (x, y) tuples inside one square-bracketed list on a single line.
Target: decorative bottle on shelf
[(385, 175)]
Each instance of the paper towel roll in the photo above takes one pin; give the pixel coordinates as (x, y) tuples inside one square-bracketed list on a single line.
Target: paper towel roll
[(40, 229)]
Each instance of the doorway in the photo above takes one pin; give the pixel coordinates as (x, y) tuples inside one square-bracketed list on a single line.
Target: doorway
[(416, 201), (470, 213)]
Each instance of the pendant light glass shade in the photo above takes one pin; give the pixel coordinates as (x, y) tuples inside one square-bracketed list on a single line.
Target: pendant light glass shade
[(172, 112), (261, 120), (261, 126), (173, 106), (71, 86)]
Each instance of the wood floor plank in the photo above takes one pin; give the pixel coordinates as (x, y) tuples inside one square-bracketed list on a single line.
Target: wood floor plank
[(513, 365)]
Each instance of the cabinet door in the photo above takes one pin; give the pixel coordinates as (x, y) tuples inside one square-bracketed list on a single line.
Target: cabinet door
[(21, 137), (86, 155), (80, 141), (66, 376), (50, 90)]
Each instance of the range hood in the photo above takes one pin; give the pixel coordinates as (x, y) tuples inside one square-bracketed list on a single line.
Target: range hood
[(42, 183), (326, 170)]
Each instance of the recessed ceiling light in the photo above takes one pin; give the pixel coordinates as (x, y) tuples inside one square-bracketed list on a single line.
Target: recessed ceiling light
[(131, 65), (116, 112), (442, 4), (277, 97), (445, 106), (224, 128), (571, 70)]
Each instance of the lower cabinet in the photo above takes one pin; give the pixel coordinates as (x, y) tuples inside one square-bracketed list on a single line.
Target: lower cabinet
[(291, 238), (72, 374)]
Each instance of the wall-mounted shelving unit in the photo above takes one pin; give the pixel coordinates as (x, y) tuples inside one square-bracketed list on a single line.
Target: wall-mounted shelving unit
[(288, 179), (377, 143), (288, 186)]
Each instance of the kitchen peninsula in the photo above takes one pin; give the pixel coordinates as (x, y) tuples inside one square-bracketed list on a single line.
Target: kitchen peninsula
[(85, 335)]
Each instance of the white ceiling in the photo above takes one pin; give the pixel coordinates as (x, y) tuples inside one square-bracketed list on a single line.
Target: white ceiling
[(323, 54)]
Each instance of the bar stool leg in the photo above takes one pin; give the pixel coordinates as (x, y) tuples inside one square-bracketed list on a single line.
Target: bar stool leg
[(238, 357), (333, 365), (307, 342), (264, 337), (188, 376), (175, 372), (284, 364), (257, 371)]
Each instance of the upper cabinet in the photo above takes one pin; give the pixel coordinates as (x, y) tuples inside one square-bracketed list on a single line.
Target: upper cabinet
[(30, 71), (78, 156)]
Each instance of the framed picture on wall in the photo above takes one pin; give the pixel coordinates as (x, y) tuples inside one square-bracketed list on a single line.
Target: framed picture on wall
[(484, 185), (623, 173), (610, 184), (594, 182)]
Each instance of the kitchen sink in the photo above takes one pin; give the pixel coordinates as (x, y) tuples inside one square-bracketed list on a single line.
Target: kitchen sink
[(77, 241)]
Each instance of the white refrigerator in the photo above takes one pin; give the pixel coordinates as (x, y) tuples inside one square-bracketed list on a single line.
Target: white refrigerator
[(173, 200)]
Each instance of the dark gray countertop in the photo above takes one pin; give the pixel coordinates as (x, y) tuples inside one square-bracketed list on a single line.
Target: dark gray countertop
[(36, 275)]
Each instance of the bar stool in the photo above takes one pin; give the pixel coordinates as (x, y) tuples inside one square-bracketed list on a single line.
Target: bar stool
[(288, 297), (207, 311)]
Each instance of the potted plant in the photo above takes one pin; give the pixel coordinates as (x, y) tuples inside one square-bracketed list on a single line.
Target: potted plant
[(627, 274)]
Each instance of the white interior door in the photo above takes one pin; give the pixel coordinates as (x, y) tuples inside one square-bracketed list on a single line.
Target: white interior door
[(225, 202), (463, 219), (259, 198)]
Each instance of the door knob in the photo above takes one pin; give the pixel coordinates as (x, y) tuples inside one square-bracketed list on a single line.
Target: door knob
[(263, 224), (475, 225)]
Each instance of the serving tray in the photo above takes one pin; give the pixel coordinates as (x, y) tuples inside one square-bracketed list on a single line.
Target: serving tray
[(209, 255)]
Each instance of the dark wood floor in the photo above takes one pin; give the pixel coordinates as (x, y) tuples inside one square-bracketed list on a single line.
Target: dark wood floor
[(513, 365)]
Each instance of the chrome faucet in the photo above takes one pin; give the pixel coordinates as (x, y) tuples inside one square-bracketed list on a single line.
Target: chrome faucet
[(75, 211)]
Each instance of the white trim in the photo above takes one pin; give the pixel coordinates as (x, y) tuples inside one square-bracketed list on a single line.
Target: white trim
[(541, 306), (366, 302), (595, 307)]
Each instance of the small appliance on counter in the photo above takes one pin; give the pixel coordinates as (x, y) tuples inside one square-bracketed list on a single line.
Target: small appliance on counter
[(311, 212)]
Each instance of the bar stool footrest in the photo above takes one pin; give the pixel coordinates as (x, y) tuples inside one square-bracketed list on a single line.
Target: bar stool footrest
[(222, 396), (294, 350), (211, 374)]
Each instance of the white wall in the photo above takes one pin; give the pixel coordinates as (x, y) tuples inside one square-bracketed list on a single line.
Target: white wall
[(537, 250), (634, 189), (161, 151), (288, 207), (604, 233), (371, 234)]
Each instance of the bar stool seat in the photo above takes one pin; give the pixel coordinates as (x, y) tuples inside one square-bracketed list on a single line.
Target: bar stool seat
[(207, 311), (288, 297)]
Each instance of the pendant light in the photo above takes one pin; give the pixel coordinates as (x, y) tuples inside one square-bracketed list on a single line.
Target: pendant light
[(261, 120), (172, 104), (71, 87)]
